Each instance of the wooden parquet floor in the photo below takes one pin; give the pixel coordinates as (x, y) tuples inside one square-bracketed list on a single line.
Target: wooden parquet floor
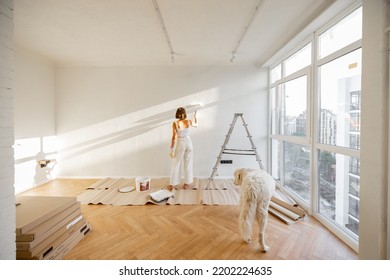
[(196, 232)]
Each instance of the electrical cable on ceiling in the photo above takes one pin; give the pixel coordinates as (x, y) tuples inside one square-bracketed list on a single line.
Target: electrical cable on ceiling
[(246, 30), (160, 18)]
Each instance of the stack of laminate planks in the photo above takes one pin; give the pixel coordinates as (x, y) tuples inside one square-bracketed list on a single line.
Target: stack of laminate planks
[(285, 208), (48, 227)]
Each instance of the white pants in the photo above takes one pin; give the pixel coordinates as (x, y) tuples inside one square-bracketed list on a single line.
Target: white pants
[(183, 156)]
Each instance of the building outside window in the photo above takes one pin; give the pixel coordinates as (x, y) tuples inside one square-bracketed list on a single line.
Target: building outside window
[(297, 170)]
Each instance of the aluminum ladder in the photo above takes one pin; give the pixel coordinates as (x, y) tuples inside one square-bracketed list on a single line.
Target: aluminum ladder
[(224, 150)]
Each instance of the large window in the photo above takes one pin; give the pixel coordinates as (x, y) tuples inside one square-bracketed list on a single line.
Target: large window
[(346, 31), (275, 73), (297, 170), (293, 107), (298, 60), (338, 190), (315, 123), (340, 82)]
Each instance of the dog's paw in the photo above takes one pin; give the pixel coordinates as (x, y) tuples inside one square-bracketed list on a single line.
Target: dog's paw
[(264, 248)]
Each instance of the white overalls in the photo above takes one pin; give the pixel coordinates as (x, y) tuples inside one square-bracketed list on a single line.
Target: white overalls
[(183, 155)]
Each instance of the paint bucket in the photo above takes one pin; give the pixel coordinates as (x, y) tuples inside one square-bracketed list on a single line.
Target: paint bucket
[(142, 184)]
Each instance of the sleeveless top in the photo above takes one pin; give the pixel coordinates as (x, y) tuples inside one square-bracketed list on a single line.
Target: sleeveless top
[(182, 132)]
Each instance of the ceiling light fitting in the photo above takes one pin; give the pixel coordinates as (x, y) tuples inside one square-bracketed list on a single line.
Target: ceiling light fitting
[(160, 18), (257, 8)]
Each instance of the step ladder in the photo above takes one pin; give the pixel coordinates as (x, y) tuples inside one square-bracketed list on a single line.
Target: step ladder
[(224, 150)]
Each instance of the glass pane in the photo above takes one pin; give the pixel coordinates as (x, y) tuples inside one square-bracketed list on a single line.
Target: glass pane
[(299, 60), (275, 159), (339, 189), (343, 33), (275, 73), (293, 107), (273, 110), (297, 170), (340, 101)]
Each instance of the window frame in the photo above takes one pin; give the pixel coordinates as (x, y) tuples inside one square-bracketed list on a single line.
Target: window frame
[(312, 122)]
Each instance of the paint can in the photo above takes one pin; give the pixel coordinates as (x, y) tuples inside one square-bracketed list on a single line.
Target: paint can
[(142, 184)]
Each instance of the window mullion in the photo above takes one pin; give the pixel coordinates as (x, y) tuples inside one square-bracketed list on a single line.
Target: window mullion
[(315, 105)]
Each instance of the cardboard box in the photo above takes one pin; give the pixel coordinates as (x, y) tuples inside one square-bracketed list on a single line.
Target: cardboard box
[(29, 245), (58, 246), (69, 244), (34, 210), (64, 224), (49, 245), (48, 227)]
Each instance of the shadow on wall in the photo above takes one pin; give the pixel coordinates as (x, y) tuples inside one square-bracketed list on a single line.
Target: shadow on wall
[(35, 162), (44, 170)]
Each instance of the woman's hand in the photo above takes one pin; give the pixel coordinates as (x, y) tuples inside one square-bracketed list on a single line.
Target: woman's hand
[(171, 154), (195, 121)]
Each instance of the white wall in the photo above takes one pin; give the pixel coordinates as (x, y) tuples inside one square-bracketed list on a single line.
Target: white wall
[(7, 199), (34, 119), (117, 121), (374, 235)]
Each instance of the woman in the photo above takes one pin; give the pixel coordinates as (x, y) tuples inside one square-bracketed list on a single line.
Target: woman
[(181, 149)]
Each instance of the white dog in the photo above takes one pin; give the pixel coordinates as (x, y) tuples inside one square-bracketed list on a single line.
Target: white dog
[(256, 188)]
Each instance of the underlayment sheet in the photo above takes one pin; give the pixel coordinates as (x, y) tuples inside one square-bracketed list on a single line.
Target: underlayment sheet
[(201, 191), (221, 197), (220, 192), (106, 191)]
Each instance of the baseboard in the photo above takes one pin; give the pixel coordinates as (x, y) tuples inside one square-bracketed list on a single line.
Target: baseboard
[(118, 177), (84, 177)]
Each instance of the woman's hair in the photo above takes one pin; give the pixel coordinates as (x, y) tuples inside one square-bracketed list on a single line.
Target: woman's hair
[(181, 113)]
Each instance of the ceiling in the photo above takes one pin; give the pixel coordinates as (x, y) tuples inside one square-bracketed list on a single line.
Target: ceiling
[(128, 32)]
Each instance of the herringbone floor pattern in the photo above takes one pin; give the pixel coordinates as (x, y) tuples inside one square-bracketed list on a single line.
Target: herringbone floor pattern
[(177, 232)]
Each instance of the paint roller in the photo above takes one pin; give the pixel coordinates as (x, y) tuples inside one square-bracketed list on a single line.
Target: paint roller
[(194, 107)]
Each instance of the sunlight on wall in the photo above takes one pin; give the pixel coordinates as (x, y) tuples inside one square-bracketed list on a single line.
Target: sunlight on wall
[(134, 135), (27, 153)]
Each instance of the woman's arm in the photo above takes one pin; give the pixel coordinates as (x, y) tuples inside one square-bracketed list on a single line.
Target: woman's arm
[(195, 121), (174, 135)]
